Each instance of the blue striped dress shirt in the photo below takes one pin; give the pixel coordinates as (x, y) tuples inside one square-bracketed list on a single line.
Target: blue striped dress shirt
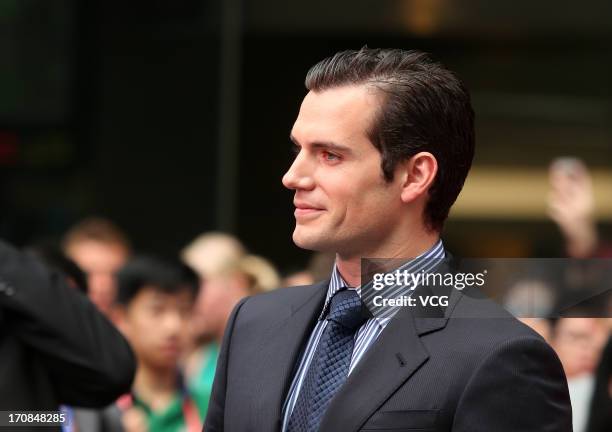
[(367, 333)]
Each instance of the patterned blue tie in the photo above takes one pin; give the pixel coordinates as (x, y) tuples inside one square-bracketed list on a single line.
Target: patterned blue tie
[(330, 364)]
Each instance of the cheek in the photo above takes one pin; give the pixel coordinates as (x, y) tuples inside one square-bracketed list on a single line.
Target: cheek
[(341, 196), (211, 302), (358, 193), (146, 330), (213, 305), (138, 333), (200, 304), (372, 203), (206, 299), (185, 332)]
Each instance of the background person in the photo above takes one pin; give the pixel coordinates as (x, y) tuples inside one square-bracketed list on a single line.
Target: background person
[(579, 342), (154, 306), (99, 248), (239, 278), (571, 205), (600, 418), (211, 251)]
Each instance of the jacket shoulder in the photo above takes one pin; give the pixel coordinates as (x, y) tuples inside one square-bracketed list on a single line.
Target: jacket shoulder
[(482, 325), (286, 296)]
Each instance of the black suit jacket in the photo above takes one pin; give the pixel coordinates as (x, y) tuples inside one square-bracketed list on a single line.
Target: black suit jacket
[(471, 368), (55, 347)]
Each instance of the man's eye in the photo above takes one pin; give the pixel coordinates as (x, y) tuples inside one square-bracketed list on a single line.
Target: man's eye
[(330, 156), (295, 149)]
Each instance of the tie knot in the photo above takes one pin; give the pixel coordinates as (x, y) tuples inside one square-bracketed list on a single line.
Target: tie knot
[(346, 309)]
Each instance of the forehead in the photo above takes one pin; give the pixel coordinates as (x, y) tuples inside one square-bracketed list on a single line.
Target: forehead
[(152, 293), (97, 255), (338, 114)]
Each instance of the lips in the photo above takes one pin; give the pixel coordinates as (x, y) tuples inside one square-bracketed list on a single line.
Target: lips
[(170, 349), (303, 209)]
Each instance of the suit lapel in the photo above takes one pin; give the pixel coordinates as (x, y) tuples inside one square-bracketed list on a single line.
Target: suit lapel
[(391, 360), (283, 344)]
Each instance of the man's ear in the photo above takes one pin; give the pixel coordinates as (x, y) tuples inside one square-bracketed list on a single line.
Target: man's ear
[(418, 174)]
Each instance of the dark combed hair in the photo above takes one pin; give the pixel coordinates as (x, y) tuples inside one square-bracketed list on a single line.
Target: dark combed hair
[(425, 108), (167, 276)]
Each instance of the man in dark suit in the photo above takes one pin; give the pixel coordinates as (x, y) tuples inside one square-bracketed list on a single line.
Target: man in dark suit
[(55, 346), (384, 141)]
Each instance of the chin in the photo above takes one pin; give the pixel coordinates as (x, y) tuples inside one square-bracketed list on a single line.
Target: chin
[(167, 362), (300, 241), (310, 241)]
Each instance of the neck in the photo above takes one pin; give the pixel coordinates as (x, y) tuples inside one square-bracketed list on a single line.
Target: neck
[(419, 242), (154, 386)]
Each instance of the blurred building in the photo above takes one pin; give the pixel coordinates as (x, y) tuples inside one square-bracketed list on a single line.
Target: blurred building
[(172, 118)]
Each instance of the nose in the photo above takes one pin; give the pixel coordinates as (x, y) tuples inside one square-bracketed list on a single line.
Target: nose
[(172, 323), (299, 175)]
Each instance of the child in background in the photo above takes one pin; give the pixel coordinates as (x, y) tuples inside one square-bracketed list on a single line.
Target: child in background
[(154, 305)]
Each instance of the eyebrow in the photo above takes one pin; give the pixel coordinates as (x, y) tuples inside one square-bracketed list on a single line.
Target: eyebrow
[(327, 145)]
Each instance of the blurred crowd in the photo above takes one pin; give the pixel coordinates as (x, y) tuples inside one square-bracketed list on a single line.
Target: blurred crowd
[(173, 312), (580, 334)]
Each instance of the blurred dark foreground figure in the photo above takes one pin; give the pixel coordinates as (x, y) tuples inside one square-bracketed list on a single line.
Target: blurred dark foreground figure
[(55, 346)]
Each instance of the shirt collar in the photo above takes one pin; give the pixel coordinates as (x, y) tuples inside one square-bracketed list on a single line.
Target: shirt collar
[(419, 263)]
